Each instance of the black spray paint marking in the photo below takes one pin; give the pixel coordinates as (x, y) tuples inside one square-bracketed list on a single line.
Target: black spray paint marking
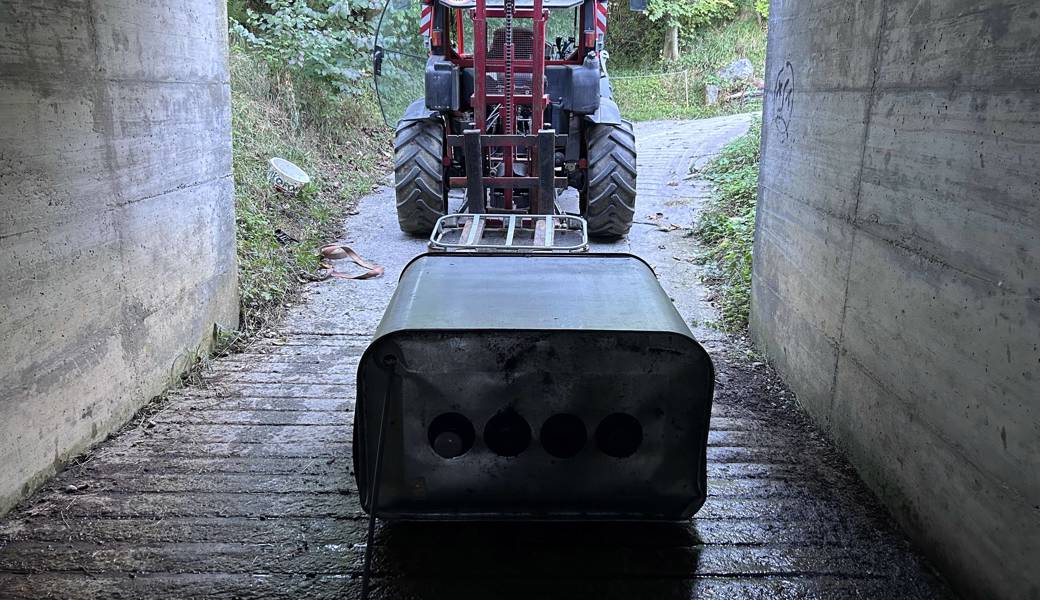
[(783, 105)]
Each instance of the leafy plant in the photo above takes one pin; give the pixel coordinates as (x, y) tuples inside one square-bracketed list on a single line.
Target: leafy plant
[(324, 40), (691, 14), (727, 226), (678, 92), (762, 8)]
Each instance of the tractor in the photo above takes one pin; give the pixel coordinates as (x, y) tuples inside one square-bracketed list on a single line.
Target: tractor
[(542, 107), (515, 375)]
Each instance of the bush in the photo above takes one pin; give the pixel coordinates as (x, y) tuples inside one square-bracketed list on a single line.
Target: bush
[(679, 94), (336, 139), (762, 8), (727, 226), (635, 40), (324, 40), (709, 49), (687, 14)]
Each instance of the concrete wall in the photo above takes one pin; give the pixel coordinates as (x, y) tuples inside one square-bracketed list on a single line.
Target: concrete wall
[(897, 261), (117, 247)]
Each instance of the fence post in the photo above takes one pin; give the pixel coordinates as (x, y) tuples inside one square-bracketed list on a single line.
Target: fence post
[(686, 77)]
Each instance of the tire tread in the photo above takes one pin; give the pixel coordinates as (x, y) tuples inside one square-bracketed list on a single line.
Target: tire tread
[(419, 176), (611, 191)]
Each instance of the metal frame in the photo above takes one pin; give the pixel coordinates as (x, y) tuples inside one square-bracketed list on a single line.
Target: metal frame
[(541, 148), (476, 227), (541, 143), (446, 35)]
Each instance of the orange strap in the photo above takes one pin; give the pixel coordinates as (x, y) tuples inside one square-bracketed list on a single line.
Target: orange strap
[(338, 252)]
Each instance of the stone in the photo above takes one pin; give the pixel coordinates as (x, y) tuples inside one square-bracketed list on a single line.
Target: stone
[(737, 70), (711, 94)]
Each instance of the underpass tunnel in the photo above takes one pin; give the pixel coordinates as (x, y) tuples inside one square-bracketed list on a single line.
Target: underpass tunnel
[(896, 268)]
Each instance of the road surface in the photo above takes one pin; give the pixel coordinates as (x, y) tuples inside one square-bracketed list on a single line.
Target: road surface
[(241, 486)]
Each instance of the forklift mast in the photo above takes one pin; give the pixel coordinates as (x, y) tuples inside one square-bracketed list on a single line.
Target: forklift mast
[(507, 79)]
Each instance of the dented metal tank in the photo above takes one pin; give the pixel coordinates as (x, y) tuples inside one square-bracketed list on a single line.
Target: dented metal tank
[(543, 386)]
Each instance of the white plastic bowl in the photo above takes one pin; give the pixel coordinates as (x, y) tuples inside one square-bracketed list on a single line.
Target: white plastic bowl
[(286, 177)]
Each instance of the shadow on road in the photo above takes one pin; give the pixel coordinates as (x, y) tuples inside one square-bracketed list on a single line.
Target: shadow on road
[(537, 560)]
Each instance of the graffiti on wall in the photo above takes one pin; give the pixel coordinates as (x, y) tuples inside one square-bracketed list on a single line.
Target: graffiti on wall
[(782, 101)]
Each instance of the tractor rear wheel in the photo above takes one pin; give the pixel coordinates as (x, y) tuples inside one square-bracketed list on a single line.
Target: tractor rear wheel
[(419, 176), (609, 201)]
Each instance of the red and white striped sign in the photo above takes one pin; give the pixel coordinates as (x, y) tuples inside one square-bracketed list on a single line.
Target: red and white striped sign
[(426, 23), (601, 23)]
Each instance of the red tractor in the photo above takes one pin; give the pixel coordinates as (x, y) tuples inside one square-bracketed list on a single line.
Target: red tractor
[(514, 117), (515, 375)]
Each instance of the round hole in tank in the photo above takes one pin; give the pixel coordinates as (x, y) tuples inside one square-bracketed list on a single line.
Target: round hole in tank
[(563, 435), (619, 435), (451, 435), (507, 433)]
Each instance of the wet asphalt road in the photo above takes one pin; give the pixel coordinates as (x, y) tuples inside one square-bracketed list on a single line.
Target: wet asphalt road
[(242, 488)]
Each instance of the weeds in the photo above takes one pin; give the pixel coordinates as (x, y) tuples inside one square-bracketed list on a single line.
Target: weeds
[(727, 226), (338, 140), (677, 90), (707, 50)]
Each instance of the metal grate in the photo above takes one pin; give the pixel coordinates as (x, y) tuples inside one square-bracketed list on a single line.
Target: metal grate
[(510, 233), (495, 83), (523, 43)]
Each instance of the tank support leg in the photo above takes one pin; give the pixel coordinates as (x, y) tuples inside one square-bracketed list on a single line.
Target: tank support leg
[(373, 494)]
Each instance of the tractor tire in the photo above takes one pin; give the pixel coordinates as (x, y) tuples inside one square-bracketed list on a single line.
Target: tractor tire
[(419, 176), (610, 195)]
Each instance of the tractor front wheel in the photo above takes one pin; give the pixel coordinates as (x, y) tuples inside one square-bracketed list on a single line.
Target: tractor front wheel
[(609, 201), (419, 176)]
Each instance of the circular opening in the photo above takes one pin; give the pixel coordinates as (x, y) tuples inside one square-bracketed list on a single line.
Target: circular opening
[(563, 436), (619, 435), (451, 435), (507, 433)]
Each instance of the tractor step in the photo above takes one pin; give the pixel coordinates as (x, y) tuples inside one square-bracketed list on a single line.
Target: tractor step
[(510, 233)]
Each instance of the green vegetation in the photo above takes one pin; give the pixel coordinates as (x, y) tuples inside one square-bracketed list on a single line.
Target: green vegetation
[(300, 78), (684, 14), (647, 87), (727, 226), (300, 90), (641, 39), (338, 139), (322, 40)]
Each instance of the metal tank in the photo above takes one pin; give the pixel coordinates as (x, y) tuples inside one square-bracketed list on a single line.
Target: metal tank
[(532, 386)]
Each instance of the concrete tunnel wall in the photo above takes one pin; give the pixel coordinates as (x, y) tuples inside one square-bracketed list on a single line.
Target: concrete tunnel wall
[(117, 240), (897, 262)]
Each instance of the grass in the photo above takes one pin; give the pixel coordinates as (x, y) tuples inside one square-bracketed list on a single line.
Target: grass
[(340, 141), (710, 49), (727, 225), (676, 90)]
